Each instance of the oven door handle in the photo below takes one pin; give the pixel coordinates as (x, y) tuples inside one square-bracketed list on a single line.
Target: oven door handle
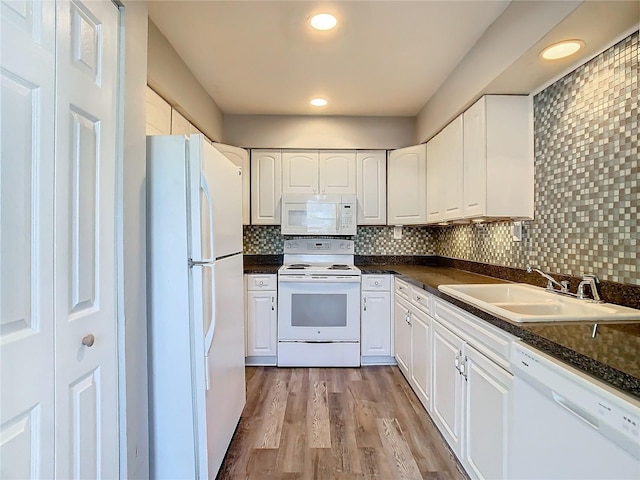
[(318, 279)]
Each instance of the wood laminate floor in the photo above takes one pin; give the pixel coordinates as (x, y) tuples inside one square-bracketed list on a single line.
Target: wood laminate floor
[(335, 423)]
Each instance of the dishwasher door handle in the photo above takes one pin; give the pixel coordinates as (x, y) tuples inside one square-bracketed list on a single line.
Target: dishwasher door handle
[(576, 410)]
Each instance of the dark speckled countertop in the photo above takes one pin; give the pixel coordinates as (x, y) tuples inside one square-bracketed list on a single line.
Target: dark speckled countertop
[(613, 356)]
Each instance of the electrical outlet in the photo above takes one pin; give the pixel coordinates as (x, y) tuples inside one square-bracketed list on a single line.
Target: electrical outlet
[(516, 231), (397, 232)]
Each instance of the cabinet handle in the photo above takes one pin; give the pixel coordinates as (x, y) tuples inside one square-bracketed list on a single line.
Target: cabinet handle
[(409, 320), (364, 300), (273, 306), (456, 362), (463, 368)]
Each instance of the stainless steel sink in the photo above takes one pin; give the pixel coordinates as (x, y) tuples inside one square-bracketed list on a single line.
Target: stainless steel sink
[(524, 303)]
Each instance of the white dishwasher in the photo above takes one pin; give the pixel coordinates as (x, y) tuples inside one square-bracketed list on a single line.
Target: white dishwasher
[(566, 425)]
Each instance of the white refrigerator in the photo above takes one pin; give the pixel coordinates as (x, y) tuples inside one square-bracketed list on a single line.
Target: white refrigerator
[(195, 306)]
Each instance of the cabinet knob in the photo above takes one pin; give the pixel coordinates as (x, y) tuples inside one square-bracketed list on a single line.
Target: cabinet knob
[(377, 283), (89, 340)]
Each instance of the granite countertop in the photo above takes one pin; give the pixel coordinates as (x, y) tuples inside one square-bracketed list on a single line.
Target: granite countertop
[(611, 357)]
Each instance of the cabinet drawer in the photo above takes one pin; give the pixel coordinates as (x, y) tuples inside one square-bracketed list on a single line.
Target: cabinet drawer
[(402, 288), (421, 299), (492, 341), (262, 282), (376, 282)]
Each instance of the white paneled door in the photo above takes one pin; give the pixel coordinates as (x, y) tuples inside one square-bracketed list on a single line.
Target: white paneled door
[(85, 274), (58, 353), (27, 75)]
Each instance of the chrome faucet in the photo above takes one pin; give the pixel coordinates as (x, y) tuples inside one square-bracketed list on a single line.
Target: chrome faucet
[(563, 286), (592, 282)]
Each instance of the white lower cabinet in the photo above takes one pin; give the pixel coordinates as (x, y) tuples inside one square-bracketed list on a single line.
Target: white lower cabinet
[(413, 338), (375, 320), (421, 354), (470, 403), (486, 398), (402, 334), (447, 384), (261, 320), (461, 380)]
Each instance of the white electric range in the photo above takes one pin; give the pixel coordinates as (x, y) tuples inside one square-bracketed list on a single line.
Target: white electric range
[(318, 304)]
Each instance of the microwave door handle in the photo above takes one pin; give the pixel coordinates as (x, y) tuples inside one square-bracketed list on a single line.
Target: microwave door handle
[(338, 218)]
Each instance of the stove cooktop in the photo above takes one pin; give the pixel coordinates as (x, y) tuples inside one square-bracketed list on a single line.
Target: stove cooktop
[(306, 268)]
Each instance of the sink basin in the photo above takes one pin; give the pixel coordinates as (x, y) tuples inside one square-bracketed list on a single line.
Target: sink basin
[(524, 303)]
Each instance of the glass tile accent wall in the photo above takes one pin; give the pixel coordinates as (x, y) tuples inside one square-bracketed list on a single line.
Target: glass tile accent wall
[(264, 240), (586, 178)]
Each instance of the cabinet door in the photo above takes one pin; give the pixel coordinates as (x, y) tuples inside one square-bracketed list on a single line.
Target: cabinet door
[(337, 172), (371, 187), (266, 187), (158, 114), (300, 171), (447, 386), (452, 170), (407, 186), (435, 183), (421, 355), (475, 160), (240, 157), (402, 335), (376, 324), (486, 394), (262, 322)]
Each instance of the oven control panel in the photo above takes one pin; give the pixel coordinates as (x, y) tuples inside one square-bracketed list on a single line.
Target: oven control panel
[(302, 246)]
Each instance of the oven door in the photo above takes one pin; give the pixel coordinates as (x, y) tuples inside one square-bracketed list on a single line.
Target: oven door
[(319, 308)]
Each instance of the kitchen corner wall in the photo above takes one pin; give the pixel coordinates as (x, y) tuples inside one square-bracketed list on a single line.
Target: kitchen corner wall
[(586, 178)]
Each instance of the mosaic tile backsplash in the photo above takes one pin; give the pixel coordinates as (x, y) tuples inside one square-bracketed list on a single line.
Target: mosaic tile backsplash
[(265, 240), (587, 179), (587, 185)]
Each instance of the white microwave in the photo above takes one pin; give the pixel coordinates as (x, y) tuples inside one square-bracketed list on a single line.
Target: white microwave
[(318, 214)]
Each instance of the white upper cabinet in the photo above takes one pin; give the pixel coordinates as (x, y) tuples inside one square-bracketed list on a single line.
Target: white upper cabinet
[(319, 172), (371, 187), (445, 174), (337, 172), (266, 186), (240, 158), (498, 158), (407, 186), (158, 114), (300, 171)]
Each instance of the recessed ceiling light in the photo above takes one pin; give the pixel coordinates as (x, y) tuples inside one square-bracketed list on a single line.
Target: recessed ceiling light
[(323, 21), (561, 49), (318, 102)]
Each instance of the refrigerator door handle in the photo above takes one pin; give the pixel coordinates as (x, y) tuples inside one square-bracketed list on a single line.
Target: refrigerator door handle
[(208, 341), (204, 186)]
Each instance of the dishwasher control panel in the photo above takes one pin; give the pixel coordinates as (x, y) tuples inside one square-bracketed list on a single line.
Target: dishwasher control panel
[(613, 414)]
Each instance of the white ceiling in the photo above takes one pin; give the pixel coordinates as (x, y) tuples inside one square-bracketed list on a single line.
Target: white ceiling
[(385, 58)]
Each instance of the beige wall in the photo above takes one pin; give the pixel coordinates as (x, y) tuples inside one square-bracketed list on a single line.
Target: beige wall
[(520, 27), (132, 299), (291, 131), (171, 78)]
